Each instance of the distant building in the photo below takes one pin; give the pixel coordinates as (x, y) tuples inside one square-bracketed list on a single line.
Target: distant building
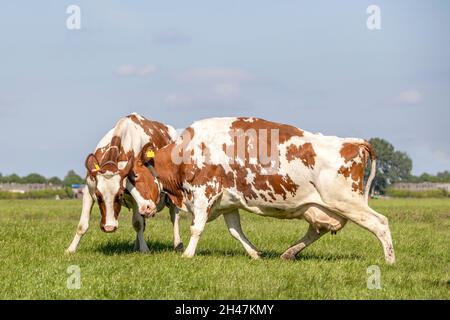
[(422, 186), (77, 190), (26, 187)]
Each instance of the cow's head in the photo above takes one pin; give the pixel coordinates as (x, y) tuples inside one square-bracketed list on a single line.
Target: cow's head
[(145, 189), (109, 182)]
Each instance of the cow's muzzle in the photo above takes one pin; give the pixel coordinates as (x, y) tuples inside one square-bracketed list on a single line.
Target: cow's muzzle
[(109, 229), (147, 210)]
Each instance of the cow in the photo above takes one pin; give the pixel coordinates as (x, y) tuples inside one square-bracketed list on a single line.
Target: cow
[(220, 165), (110, 179)]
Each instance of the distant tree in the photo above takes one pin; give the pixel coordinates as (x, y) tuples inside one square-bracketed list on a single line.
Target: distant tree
[(55, 181), (72, 178), (34, 178), (443, 176), (392, 166), (12, 178)]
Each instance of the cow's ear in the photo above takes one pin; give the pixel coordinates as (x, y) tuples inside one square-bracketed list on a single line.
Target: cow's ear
[(147, 153), (92, 165)]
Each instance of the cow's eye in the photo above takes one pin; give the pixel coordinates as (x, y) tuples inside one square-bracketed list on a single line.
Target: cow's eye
[(136, 176)]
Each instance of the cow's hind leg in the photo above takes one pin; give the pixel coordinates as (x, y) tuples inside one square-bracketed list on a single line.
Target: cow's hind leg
[(360, 213), (311, 235), (320, 222), (138, 222), (83, 225), (233, 222), (175, 218)]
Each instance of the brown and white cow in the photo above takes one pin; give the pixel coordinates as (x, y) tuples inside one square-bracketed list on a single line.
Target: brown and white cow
[(220, 165), (110, 177)]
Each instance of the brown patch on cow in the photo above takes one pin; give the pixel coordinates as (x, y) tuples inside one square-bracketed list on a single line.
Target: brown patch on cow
[(349, 151), (210, 192), (279, 184), (285, 131), (353, 169), (102, 207), (157, 132), (305, 153)]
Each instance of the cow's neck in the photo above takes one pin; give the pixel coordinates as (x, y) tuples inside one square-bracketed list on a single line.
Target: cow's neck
[(169, 174)]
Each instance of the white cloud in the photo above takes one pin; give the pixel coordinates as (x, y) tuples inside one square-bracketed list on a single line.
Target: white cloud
[(227, 89), (127, 70), (409, 97), (210, 87), (442, 156)]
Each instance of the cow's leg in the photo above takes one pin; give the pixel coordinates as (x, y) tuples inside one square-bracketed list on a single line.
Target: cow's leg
[(175, 218), (138, 222), (311, 235), (362, 215), (83, 225), (200, 217), (320, 222), (233, 221)]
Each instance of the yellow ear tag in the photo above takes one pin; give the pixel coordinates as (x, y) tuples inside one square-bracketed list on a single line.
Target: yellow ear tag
[(97, 167), (150, 154)]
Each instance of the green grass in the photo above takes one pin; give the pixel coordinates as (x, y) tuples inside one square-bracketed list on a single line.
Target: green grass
[(35, 233)]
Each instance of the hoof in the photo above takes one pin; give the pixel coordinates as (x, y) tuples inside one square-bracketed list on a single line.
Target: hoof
[(187, 255), (68, 251), (179, 247), (287, 257)]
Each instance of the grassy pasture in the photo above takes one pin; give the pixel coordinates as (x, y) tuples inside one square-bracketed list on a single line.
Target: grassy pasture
[(35, 233)]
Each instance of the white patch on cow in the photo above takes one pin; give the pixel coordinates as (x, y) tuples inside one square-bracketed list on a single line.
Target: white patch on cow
[(105, 140), (253, 161), (250, 177), (172, 132), (122, 164), (108, 184), (213, 139)]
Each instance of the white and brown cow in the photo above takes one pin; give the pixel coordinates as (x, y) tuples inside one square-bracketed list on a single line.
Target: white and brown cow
[(220, 165), (110, 177)]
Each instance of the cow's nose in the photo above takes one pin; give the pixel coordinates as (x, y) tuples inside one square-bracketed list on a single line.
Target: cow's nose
[(147, 210), (109, 228)]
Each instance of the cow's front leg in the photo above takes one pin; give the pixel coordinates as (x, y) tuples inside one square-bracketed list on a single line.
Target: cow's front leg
[(233, 222), (175, 218), (138, 222), (83, 225), (198, 224)]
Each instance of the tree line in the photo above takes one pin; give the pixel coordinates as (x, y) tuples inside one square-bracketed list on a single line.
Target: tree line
[(392, 166), (396, 166), (70, 178)]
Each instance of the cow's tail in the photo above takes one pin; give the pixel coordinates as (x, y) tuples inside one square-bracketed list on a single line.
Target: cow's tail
[(373, 168)]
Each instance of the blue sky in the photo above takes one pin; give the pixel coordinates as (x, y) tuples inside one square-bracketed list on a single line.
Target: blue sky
[(312, 64)]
